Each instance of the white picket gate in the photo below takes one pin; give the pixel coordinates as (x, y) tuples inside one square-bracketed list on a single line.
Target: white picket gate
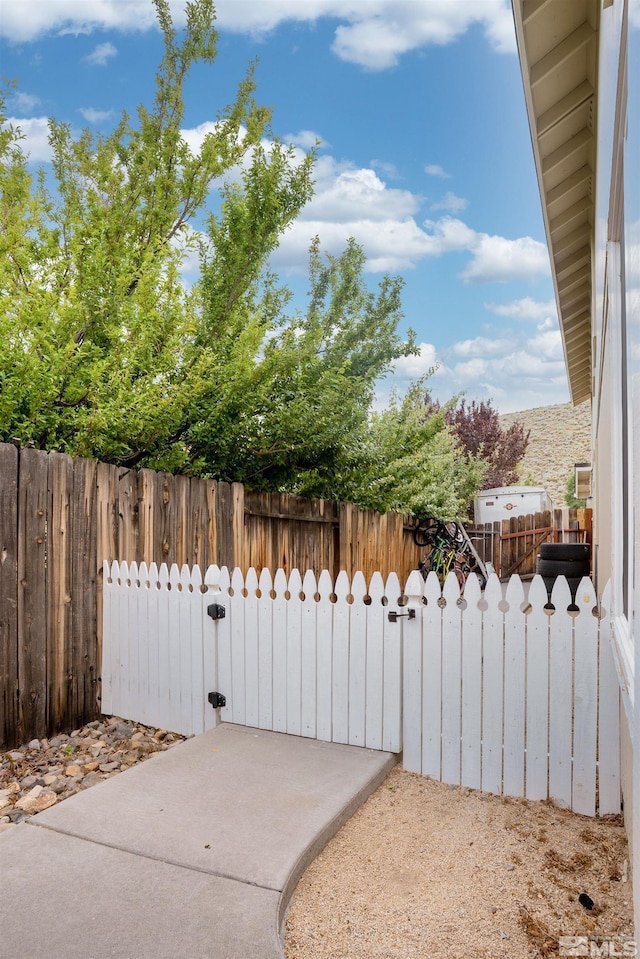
[(479, 690)]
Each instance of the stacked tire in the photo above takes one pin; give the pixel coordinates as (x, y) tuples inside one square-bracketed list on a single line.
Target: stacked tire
[(572, 560)]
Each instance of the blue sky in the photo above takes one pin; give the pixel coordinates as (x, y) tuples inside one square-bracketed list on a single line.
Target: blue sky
[(425, 154)]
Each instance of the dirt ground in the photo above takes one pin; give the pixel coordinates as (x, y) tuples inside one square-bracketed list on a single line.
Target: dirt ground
[(424, 870)]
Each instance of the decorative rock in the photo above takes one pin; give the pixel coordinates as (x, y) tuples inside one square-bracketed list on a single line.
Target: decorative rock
[(30, 781), (15, 757), (44, 800), (17, 815), (73, 770), (124, 730), (27, 803), (91, 767), (34, 744), (91, 780)]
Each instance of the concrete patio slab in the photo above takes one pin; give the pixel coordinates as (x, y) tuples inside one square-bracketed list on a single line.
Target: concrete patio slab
[(193, 853)]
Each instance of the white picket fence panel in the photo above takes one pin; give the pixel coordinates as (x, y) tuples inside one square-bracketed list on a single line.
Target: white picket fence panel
[(481, 689)]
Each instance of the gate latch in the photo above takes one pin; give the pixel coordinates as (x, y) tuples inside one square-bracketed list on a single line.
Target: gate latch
[(394, 615), (217, 700), (216, 611)]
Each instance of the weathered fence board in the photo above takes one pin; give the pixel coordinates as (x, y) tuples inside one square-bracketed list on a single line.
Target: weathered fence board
[(478, 689), (8, 591), (32, 592)]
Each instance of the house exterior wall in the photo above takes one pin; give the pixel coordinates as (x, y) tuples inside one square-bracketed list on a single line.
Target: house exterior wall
[(616, 373)]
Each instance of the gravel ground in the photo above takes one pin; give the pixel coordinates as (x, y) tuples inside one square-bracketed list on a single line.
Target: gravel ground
[(424, 871)]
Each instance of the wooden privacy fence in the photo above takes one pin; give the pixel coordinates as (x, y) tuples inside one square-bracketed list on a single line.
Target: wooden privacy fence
[(484, 690), (512, 545), (60, 518)]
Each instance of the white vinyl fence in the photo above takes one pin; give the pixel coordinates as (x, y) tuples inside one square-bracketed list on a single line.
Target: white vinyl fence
[(483, 690)]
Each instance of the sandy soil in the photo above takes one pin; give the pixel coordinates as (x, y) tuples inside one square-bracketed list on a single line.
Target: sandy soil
[(424, 870)]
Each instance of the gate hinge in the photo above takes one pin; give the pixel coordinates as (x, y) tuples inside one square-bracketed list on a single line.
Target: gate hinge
[(216, 611), (217, 700), (394, 615)]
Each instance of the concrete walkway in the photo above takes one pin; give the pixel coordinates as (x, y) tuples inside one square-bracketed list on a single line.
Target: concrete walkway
[(193, 854)]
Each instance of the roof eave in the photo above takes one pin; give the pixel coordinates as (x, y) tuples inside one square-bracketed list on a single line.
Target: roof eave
[(557, 47)]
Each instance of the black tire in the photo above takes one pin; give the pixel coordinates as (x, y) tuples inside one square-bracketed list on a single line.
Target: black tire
[(566, 552), (423, 536), (556, 567)]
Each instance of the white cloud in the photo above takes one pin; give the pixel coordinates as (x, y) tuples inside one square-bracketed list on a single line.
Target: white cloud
[(413, 367), (306, 139), (95, 116), (525, 309), (377, 37), (36, 137), (547, 345), (25, 101), (513, 370), (448, 235), (451, 203), (26, 20), (434, 170), (390, 246), (101, 55), (497, 259), (479, 346), (373, 35), (387, 169), (358, 194), (356, 202)]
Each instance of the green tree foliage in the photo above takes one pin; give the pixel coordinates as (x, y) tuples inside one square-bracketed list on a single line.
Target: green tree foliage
[(296, 415), (104, 347), (415, 463), (107, 354)]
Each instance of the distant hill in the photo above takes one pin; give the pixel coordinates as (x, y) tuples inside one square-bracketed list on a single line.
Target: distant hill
[(560, 437)]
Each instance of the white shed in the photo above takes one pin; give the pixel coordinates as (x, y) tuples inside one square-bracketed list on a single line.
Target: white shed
[(503, 502)]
